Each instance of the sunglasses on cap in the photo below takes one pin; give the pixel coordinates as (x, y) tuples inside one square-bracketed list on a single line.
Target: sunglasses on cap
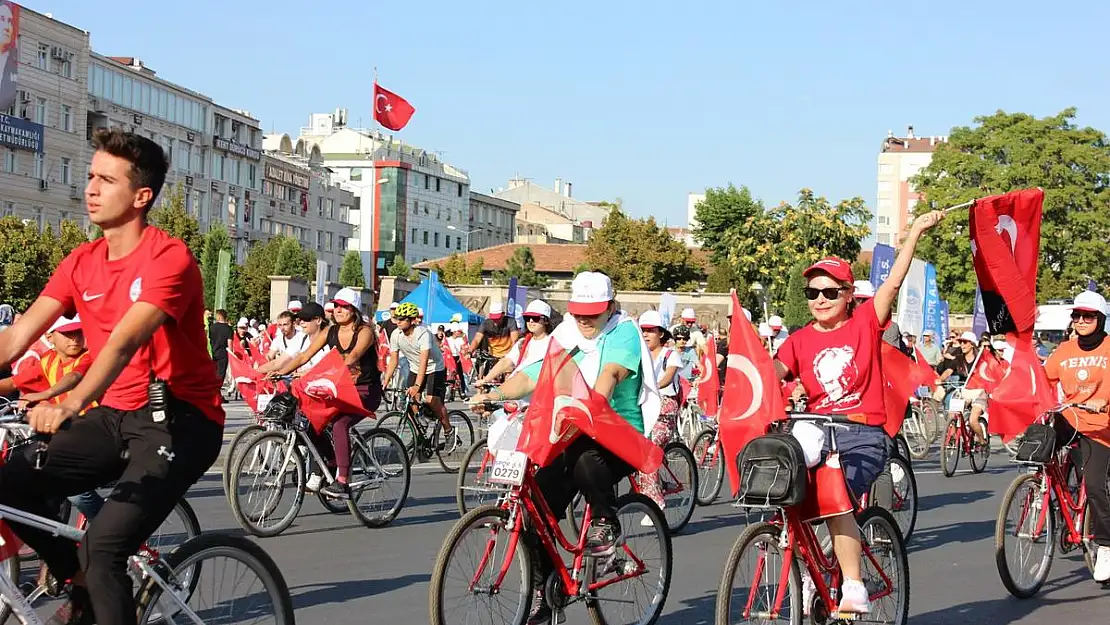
[(830, 293), (1086, 316)]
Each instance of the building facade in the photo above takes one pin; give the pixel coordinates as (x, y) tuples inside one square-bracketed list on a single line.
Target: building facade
[(44, 151), (900, 158), (558, 200), (539, 224), (492, 222)]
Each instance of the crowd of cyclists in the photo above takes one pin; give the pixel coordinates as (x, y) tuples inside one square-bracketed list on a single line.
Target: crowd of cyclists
[(105, 363)]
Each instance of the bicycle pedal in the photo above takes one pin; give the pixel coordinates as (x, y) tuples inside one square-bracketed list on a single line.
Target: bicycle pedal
[(844, 617)]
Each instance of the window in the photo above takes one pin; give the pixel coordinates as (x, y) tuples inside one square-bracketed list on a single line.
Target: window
[(40, 166), (184, 156), (9, 161), (320, 240), (884, 187), (40, 111), (437, 184), (425, 209), (356, 174), (127, 85), (44, 55), (330, 242), (9, 209), (447, 241), (67, 118), (436, 239), (460, 189), (415, 207), (331, 208), (427, 181), (458, 243), (884, 238), (252, 175), (884, 221), (425, 237), (319, 207), (886, 168), (217, 166), (342, 243), (413, 238), (66, 171), (884, 206)]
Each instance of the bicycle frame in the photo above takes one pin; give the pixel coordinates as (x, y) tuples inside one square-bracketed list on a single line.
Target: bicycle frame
[(1053, 481), (294, 436)]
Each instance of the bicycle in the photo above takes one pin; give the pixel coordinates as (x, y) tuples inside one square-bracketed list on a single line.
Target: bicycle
[(473, 488), (284, 455), (959, 440), (1046, 497), (920, 429), (794, 539), (708, 457), (588, 579), (690, 420), (411, 424)]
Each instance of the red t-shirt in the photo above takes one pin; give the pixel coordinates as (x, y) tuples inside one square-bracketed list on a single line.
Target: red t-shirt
[(160, 271), (840, 369)]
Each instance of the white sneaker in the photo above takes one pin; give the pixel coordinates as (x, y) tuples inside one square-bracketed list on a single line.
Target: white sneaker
[(313, 483), (854, 597), (1102, 565), (809, 589)]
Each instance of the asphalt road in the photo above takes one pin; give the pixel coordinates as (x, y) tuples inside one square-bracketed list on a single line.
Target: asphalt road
[(343, 573)]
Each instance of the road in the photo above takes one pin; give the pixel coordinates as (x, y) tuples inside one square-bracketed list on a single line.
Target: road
[(342, 573)]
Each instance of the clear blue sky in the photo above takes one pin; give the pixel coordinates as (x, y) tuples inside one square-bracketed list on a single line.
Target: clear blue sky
[(645, 100)]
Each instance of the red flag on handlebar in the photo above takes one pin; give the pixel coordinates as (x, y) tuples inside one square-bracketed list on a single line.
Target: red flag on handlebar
[(1023, 394), (327, 391)]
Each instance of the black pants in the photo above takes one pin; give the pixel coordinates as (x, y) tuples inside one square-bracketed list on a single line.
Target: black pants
[(459, 375), (164, 460), (221, 368), (1094, 461)]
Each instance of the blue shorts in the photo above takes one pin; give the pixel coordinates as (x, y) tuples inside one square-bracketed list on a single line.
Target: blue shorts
[(864, 451)]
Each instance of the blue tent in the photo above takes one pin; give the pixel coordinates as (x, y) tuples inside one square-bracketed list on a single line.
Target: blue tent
[(439, 304)]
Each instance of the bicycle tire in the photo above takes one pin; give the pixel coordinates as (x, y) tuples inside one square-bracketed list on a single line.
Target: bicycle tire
[(906, 515), (984, 454), (402, 426), (465, 439), (880, 518), (439, 573), (595, 606), (12, 568), (951, 449), (229, 460), (360, 449), (1090, 548), (247, 551), (676, 523), (770, 534), (477, 453), (298, 490), (922, 442), (711, 478), (1000, 535)]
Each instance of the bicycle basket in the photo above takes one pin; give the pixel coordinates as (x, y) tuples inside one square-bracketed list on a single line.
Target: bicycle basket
[(1038, 445), (772, 471), (281, 408)]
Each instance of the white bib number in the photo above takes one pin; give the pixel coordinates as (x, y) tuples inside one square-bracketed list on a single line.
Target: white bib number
[(956, 404), (509, 467)]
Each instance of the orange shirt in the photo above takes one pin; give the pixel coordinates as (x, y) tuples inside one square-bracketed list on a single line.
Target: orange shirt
[(1083, 376), (54, 367)]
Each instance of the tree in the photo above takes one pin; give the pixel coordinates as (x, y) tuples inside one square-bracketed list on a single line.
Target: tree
[(236, 302), (455, 270), (350, 274), (280, 256), (522, 266), (215, 240), (580, 267), (722, 278), (861, 269), (172, 217), (796, 310), (26, 262), (400, 269), (1008, 151), (69, 238), (640, 255)]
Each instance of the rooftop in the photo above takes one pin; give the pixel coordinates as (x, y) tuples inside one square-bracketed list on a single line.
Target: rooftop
[(911, 142)]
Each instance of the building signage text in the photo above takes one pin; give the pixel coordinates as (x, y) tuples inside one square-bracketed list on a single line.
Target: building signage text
[(287, 177), (20, 133), (238, 149)]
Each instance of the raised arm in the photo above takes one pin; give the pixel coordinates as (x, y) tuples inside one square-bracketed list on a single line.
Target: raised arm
[(888, 290)]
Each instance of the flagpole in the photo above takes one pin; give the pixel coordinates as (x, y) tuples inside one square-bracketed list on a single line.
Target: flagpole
[(967, 204)]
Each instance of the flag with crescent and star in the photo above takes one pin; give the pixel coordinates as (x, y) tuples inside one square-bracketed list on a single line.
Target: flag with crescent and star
[(753, 393), (1005, 250), (327, 390), (1022, 395), (391, 110), (988, 372)]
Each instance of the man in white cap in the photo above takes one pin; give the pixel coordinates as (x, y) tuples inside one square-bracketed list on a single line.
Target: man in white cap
[(929, 348), (329, 310), (779, 333), (689, 319), (295, 306), (496, 335)]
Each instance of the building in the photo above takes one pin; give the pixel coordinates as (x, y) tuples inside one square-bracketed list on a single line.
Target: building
[(42, 135), (900, 158), (492, 222), (408, 203), (299, 200), (557, 200), (538, 224), (692, 201)]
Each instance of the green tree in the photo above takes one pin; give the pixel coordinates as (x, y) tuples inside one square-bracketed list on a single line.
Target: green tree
[(400, 269), (280, 256), (580, 267), (861, 269), (26, 262), (455, 270), (796, 310), (522, 266), (215, 239), (350, 274), (70, 237), (640, 255), (236, 297), (722, 277), (1008, 151), (172, 217)]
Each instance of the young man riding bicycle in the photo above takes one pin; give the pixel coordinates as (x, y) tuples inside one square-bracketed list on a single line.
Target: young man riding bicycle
[(427, 373), (159, 424)]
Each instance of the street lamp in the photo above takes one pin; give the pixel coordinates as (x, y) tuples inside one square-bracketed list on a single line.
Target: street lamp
[(467, 233), (757, 288)]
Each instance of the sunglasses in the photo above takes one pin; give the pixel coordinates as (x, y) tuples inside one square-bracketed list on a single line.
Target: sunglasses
[(1084, 316), (830, 293), (533, 319)]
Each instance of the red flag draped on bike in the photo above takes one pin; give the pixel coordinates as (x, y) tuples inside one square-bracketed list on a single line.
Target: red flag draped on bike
[(564, 406), (753, 394), (1023, 394), (327, 391), (246, 378), (988, 372), (901, 379)]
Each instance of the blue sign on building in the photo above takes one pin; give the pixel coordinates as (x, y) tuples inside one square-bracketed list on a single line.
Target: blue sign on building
[(20, 134)]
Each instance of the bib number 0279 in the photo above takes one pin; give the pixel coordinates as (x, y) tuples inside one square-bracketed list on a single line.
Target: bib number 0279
[(509, 467)]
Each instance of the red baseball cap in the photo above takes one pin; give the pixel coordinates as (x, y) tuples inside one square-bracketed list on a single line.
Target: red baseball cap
[(836, 268)]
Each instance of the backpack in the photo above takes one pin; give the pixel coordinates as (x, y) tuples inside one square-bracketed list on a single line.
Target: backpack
[(772, 471)]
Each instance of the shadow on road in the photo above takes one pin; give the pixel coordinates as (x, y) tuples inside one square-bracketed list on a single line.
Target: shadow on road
[(1010, 609), (339, 592), (961, 532), (940, 500), (694, 610)]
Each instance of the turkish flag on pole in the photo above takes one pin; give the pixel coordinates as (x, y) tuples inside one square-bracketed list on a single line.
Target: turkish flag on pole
[(901, 378), (390, 109), (327, 391), (565, 406), (753, 393), (1005, 249), (710, 385), (988, 372), (246, 378), (1022, 395)]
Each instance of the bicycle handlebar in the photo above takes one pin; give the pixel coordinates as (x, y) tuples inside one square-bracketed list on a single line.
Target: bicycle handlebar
[(823, 418)]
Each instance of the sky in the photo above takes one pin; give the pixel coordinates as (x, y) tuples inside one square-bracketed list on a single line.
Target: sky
[(640, 100)]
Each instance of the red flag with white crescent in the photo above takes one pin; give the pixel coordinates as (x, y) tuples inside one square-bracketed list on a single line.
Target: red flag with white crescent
[(753, 394), (1005, 249), (988, 372), (390, 109), (1022, 395), (327, 390), (901, 378)]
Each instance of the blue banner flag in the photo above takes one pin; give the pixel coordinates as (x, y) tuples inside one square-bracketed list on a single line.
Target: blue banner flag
[(979, 316), (932, 300), (882, 259), (943, 321)]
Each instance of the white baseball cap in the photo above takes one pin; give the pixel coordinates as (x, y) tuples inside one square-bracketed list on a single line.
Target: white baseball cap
[(651, 319), (66, 324), (688, 314), (243, 323), (394, 306), (329, 306), (419, 312), (295, 305), (969, 337), (348, 297), (538, 307), (775, 322), (496, 310), (765, 330), (454, 327), (1089, 301), (590, 294), (864, 289)]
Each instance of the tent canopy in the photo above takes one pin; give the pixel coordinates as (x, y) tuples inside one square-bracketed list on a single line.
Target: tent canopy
[(439, 304)]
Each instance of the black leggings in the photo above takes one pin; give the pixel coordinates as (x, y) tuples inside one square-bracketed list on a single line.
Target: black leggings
[(1094, 460)]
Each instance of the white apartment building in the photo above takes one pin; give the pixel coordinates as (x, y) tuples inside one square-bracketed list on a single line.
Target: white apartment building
[(43, 150), (299, 200), (408, 202), (900, 158), (492, 222), (558, 199)]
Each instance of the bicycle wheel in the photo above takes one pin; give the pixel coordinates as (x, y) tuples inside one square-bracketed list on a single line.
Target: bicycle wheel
[(239, 556), (266, 473), (472, 490), (461, 589), (930, 419), (902, 449), (404, 428), (901, 499), (1022, 566), (380, 477), (751, 578), (233, 447), (646, 549), (885, 558), (979, 455), (679, 481), (452, 450), (914, 432), (11, 568), (951, 449), (711, 468)]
